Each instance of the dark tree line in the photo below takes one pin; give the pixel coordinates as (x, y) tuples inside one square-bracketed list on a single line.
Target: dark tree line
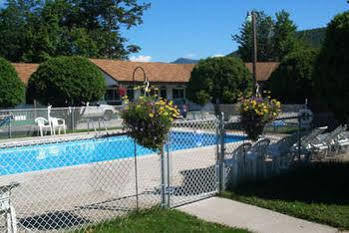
[(35, 30)]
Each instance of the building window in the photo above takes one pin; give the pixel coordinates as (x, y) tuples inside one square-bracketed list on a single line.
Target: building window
[(130, 93), (178, 93), (163, 93), (112, 96)]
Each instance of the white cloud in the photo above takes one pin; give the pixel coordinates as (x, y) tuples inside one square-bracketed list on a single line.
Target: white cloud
[(190, 55), (218, 55), (141, 58)]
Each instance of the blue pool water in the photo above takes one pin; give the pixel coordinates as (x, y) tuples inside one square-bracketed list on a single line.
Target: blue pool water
[(62, 154)]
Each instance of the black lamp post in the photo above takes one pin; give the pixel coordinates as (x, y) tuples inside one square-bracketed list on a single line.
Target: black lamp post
[(133, 77)]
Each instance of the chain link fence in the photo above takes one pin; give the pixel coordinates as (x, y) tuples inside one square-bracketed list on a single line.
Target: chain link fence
[(70, 182), (79, 181), (23, 122), (246, 160), (288, 140)]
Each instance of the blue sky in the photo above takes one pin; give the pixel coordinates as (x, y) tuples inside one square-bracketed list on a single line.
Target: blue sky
[(201, 28)]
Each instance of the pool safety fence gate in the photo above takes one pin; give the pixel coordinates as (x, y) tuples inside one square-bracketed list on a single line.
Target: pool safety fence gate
[(77, 181)]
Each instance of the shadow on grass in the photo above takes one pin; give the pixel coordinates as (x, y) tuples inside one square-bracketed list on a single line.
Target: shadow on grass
[(321, 182)]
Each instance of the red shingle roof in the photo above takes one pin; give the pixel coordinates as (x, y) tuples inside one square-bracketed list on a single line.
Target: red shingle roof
[(25, 70), (155, 71), (263, 69)]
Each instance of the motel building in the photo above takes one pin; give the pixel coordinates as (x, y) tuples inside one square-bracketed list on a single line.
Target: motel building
[(170, 79)]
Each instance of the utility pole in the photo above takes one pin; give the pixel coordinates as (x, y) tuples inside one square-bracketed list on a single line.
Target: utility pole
[(252, 18), (254, 60)]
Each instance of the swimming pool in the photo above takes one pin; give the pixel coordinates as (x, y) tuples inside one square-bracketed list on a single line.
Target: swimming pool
[(70, 153)]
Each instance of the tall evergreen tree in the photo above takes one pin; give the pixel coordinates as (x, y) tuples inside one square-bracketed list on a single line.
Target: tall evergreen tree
[(275, 38), (284, 35)]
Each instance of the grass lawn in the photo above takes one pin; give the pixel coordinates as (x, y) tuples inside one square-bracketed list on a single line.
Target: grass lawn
[(318, 192), (161, 221)]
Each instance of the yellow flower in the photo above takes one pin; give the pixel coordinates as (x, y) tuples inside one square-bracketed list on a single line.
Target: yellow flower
[(151, 115)]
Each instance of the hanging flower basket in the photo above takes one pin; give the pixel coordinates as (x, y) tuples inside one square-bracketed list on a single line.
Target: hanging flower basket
[(256, 112), (148, 120)]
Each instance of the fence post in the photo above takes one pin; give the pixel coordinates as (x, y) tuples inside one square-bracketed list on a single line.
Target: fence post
[(73, 118), (168, 173), (299, 138), (221, 131), (163, 178), (136, 174)]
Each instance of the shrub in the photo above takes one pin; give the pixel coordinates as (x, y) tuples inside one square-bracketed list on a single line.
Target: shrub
[(221, 78), (66, 81), (331, 74), (256, 112), (149, 119), (12, 90), (292, 81)]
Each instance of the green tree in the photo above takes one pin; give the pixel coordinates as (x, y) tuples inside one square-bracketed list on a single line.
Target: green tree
[(13, 29), (219, 79), (292, 82), (45, 29), (66, 81), (12, 89), (284, 37), (264, 25), (331, 74)]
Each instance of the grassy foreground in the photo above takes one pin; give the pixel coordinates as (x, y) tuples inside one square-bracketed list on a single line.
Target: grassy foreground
[(318, 192), (161, 221)]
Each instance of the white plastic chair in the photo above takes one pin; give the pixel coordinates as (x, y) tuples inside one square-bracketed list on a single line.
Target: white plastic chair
[(58, 124), (257, 157), (235, 161), (43, 125)]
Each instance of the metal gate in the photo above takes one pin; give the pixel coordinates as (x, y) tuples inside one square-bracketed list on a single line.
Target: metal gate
[(190, 162)]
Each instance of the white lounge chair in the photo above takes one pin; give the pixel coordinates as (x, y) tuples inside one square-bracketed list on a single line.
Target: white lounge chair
[(306, 142), (58, 124), (283, 153), (43, 124), (342, 143), (326, 144)]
